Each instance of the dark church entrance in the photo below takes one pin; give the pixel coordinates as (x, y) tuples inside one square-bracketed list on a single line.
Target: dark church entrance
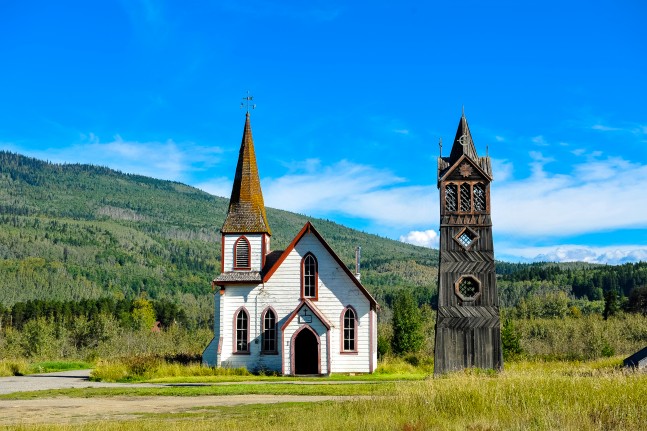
[(306, 352)]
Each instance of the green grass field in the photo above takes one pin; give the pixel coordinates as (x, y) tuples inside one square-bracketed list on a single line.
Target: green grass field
[(595, 395)]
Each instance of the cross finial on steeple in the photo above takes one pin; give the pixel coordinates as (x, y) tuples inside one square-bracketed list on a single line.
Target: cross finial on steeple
[(440, 144), (248, 99), (463, 111)]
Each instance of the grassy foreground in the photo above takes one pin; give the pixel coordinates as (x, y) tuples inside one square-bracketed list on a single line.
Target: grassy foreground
[(528, 395)]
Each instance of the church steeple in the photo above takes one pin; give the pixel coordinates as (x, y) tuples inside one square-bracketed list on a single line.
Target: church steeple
[(246, 212)]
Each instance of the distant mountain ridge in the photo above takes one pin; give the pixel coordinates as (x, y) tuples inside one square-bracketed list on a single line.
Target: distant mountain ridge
[(72, 231)]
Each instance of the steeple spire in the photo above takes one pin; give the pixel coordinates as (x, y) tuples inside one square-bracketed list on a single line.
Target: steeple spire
[(246, 212), (463, 143)]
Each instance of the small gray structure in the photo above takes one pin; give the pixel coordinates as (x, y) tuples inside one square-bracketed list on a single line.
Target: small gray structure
[(637, 360)]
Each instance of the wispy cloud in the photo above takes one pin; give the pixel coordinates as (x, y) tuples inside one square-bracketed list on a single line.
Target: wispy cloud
[(164, 160), (596, 195), (576, 253), (352, 190)]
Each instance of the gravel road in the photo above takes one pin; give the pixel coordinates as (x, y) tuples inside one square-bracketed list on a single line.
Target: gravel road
[(60, 380), (75, 410)]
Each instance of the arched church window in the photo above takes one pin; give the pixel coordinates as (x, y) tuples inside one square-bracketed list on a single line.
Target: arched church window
[(269, 331), (349, 324), (451, 197), (309, 276), (241, 254), (466, 198), (479, 197), (242, 331)]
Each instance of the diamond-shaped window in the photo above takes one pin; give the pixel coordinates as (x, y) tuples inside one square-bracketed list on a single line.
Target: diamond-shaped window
[(466, 238)]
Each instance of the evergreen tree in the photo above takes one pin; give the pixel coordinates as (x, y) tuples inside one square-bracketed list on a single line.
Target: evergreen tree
[(611, 303), (407, 324)]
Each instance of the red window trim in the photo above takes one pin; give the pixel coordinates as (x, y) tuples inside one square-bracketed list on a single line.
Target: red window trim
[(316, 278), (276, 332), (341, 343), (249, 256), (235, 350)]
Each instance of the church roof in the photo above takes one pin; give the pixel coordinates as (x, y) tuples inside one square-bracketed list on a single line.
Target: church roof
[(246, 212), (463, 147), (276, 260)]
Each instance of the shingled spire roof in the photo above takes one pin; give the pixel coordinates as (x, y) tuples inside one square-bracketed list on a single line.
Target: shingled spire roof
[(463, 142), (463, 146), (246, 212)]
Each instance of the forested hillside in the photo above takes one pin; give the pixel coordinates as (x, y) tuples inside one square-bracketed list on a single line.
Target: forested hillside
[(71, 232)]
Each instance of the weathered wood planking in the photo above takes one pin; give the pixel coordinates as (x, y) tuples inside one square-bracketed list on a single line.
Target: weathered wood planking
[(468, 330)]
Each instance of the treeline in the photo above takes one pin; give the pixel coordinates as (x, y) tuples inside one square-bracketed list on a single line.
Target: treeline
[(128, 313)]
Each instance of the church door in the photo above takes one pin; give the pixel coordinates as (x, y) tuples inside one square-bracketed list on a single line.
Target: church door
[(306, 352)]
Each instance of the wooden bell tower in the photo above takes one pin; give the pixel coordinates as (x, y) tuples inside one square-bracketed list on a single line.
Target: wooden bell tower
[(468, 330)]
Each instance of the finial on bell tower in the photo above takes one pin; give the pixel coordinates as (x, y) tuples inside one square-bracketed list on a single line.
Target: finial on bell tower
[(440, 145)]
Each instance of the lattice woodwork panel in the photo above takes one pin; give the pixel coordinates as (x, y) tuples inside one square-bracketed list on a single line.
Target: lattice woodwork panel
[(479, 197), (451, 197), (466, 198)]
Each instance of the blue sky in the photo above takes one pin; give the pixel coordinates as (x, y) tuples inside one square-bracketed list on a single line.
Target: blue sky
[(352, 98)]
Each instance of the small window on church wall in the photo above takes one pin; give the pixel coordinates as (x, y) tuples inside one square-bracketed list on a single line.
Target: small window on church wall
[(241, 254), (451, 197), (269, 332), (479, 197), (466, 198), (242, 332), (309, 271), (350, 331)]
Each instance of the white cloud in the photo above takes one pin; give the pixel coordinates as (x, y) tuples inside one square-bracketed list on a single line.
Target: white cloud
[(353, 190), (427, 238), (594, 196), (576, 253), (165, 160), (401, 131), (604, 128), (499, 138)]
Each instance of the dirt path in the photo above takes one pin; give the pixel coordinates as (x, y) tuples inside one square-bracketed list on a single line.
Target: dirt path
[(57, 410), (64, 409)]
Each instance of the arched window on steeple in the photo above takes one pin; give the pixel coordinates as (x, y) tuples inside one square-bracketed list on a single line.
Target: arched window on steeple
[(241, 253)]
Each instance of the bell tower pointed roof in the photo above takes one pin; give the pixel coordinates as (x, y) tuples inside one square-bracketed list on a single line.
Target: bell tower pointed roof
[(463, 147), (246, 213), (463, 142)]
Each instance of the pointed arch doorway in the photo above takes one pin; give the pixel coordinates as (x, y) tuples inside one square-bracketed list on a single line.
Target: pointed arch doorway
[(306, 353)]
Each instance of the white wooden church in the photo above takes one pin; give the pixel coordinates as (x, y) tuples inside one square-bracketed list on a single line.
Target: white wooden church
[(296, 311)]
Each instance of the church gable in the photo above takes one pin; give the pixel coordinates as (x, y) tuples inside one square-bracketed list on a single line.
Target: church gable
[(332, 275)]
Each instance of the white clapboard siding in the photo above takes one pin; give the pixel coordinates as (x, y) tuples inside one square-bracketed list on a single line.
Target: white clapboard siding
[(336, 290), (256, 251)]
